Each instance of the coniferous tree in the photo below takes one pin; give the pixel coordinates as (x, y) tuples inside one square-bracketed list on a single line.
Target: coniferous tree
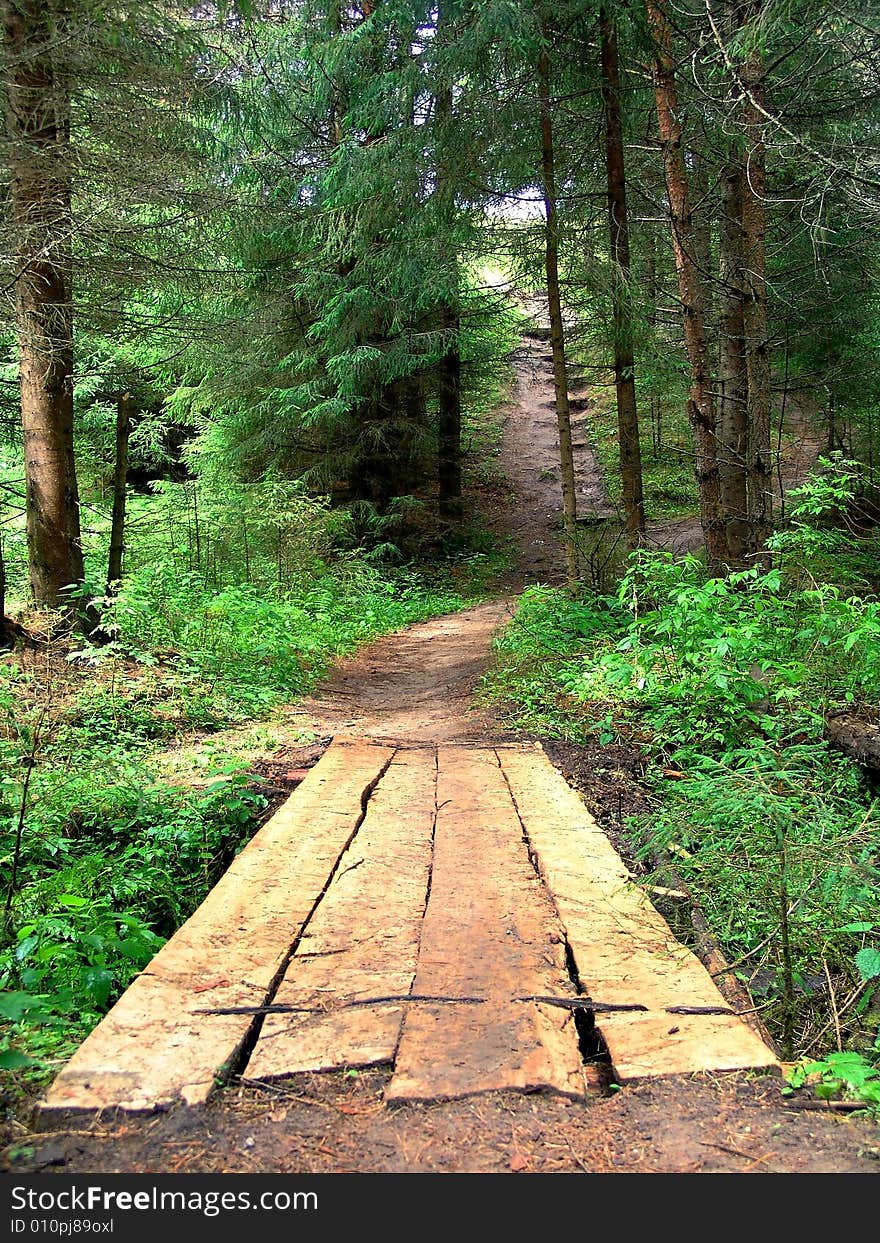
[(38, 105), (621, 292), (701, 405)]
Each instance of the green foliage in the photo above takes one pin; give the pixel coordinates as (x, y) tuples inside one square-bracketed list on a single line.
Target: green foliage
[(247, 649), (109, 867), (718, 659), (538, 661), (843, 1075), (826, 537)]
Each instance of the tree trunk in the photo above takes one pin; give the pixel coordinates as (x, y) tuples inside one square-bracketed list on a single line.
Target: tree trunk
[(755, 306), (557, 334), (449, 430), (37, 117), (120, 479), (701, 406), (449, 441), (732, 377), (618, 221)]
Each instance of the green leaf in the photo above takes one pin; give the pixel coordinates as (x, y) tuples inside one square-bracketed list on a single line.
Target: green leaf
[(14, 1006), (98, 981), (827, 1091), (14, 1059), (868, 963), (134, 948)]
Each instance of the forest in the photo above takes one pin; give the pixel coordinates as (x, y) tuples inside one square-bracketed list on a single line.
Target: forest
[(280, 278)]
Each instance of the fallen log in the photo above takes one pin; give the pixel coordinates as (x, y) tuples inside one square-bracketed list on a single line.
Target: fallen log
[(855, 737), (12, 633), (829, 1107)]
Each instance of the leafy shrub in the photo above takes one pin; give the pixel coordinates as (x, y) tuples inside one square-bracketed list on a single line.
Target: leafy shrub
[(108, 870), (843, 1075)]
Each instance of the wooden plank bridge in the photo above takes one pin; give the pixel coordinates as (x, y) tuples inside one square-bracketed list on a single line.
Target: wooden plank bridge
[(445, 910)]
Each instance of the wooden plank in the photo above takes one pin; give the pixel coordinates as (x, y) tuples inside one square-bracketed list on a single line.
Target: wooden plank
[(645, 1046), (363, 939), (624, 950), (157, 1046), (490, 935)]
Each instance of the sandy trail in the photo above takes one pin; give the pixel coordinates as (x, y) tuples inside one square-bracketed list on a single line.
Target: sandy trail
[(530, 460), (415, 685)]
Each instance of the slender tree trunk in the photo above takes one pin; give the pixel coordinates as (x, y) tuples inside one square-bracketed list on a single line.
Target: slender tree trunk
[(701, 406), (120, 480), (449, 440), (37, 118), (449, 429), (733, 379), (701, 227), (618, 220), (557, 334), (755, 306), (651, 276)]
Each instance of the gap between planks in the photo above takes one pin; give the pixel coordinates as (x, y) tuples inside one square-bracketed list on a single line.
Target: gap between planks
[(624, 951)]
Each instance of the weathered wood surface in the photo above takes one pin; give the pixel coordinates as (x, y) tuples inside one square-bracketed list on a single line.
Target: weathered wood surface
[(363, 940), (324, 914), (156, 1047), (647, 1046), (624, 950), (490, 936)]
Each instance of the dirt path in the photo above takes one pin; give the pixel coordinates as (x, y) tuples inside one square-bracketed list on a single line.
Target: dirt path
[(335, 1123), (530, 460), (414, 685)]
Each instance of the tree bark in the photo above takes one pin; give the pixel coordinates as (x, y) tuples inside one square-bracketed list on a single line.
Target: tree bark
[(856, 738), (449, 439), (557, 332), (757, 347), (120, 479), (733, 380), (621, 275), (37, 118), (449, 428), (701, 406)]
